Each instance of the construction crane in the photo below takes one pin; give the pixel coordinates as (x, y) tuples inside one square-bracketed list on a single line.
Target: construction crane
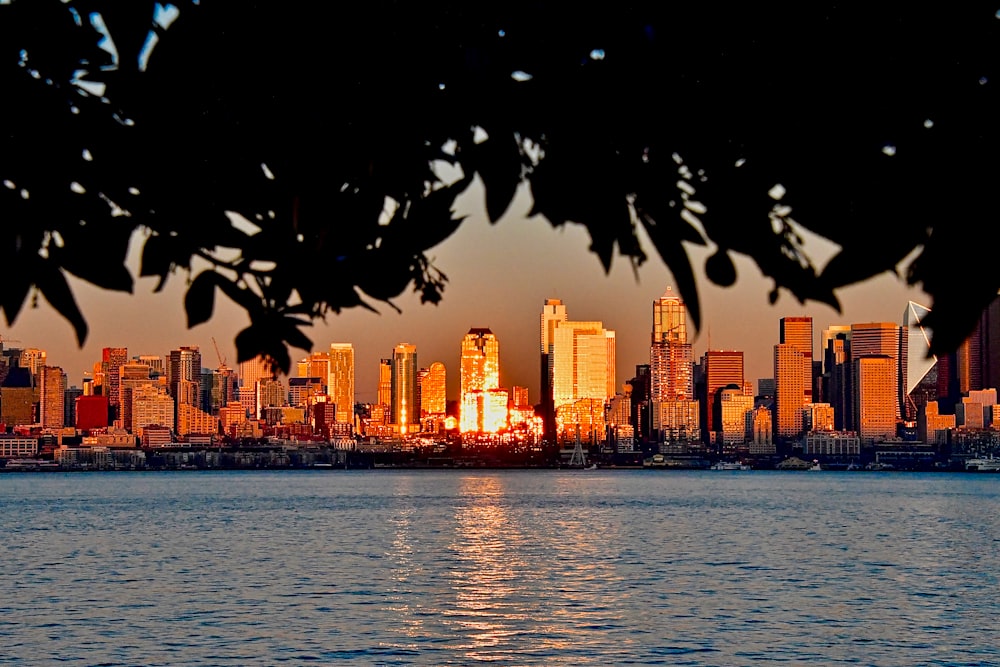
[(222, 359)]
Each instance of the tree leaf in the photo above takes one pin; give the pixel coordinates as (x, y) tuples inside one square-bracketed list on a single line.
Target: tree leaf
[(53, 285), (199, 301)]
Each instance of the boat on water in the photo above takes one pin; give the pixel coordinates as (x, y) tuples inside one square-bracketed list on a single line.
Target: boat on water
[(983, 464), (729, 465), (30, 464), (815, 466), (655, 461)]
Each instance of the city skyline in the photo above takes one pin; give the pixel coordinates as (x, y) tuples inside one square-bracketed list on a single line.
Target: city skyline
[(500, 275)]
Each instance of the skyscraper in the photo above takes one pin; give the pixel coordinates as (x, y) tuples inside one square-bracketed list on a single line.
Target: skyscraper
[(722, 368), (405, 408), (384, 383), (340, 380), (52, 394), (434, 391), (479, 379), (875, 396), (583, 376), (553, 312), (113, 358), (798, 332), (675, 412), (789, 390), (252, 373), (883, 338), (670, 357)]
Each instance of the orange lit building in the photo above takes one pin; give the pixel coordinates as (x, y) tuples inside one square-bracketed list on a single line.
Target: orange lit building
[(483, 403)]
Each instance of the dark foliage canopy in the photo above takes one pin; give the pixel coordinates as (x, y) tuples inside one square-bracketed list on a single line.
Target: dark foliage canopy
[(321, 124)]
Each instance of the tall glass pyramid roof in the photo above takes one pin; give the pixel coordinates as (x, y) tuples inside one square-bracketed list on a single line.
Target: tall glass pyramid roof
[(918, 359)]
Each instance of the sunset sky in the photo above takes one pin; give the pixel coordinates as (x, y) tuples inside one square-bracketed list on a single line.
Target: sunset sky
[(499, 277)]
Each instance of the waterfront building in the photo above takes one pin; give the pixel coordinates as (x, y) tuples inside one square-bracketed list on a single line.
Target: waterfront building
[(340, 382), (404, 407), (832, 444), (875, 396), (17, 447), (52, 394)]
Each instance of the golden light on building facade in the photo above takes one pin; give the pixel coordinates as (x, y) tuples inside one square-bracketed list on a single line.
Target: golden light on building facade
[(483, 403)]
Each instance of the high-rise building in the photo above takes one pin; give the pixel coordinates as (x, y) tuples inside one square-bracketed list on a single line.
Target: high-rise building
[(317, 365), (989, 331), (184, 365), (405, 408), (434, 391), (886, 338), (479, 376), (151, 405), (33, 359), (722, 368), (789, 390), (113, 358), (798, 332), (875, 396), (340, 380), (762, 442), (130, 376), (52, 394), (671, 358), (583, 362), (674, 409), (384, 382), (155, 363), (254, 370), (553, 312), (735, 418)]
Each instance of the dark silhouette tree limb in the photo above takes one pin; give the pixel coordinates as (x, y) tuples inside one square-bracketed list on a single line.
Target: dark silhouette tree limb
[(328, 133)]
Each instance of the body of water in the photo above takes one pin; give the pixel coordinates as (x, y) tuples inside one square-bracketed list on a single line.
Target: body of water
[(512, 567)]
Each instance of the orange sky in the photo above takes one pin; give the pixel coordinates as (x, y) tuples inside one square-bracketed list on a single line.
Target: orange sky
[(499, 277)]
